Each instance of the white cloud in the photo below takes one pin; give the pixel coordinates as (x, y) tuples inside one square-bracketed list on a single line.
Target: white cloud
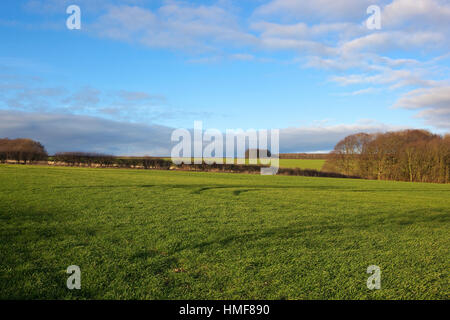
[(324, 10), (133, 96), (173, 25), (430, 14), (56, 7), (389, 41), (394, 78), (433, 104), (21, 94), (321, 34), (300, 30), (86, 97), (323, 137), (362, 91), (304, 46), (332, 37)]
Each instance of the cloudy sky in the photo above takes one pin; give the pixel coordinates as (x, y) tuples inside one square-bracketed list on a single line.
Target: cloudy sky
[(137, 69)]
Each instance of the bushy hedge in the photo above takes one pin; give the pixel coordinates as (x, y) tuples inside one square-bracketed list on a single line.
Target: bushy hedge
[(220, 167), (313, 173), (257, 169), (77, 158), (156, 163), (104, 160)]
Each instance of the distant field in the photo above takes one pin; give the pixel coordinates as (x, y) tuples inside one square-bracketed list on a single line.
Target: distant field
[(142, 234), (316, 164)]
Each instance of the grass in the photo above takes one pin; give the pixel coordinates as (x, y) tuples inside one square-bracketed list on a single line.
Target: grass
[(315, 164), (140, 234)]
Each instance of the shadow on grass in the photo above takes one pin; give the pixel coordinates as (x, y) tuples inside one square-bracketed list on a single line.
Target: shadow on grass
[(304, 231), (285, 232), (200, 188)]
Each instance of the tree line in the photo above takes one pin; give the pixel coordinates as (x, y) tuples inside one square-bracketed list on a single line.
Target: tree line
[(22, 150), (407, 155), (105, 160)]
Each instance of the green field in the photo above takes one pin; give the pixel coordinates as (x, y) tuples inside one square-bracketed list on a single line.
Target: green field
[(316, 164), (140, 234)]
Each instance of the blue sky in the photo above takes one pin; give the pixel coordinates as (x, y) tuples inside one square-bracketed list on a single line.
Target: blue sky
[(309, 68)]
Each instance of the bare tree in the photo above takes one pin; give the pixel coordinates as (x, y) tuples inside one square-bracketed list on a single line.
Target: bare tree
[(408, 155)]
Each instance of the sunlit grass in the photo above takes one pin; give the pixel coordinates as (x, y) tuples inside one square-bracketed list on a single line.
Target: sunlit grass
[(140, 234)]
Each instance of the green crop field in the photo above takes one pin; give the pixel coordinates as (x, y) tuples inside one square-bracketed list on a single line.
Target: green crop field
[(316, 164), (140, 234)]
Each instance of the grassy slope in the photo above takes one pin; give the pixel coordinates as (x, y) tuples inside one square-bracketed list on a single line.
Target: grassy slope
[(234, 236)]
